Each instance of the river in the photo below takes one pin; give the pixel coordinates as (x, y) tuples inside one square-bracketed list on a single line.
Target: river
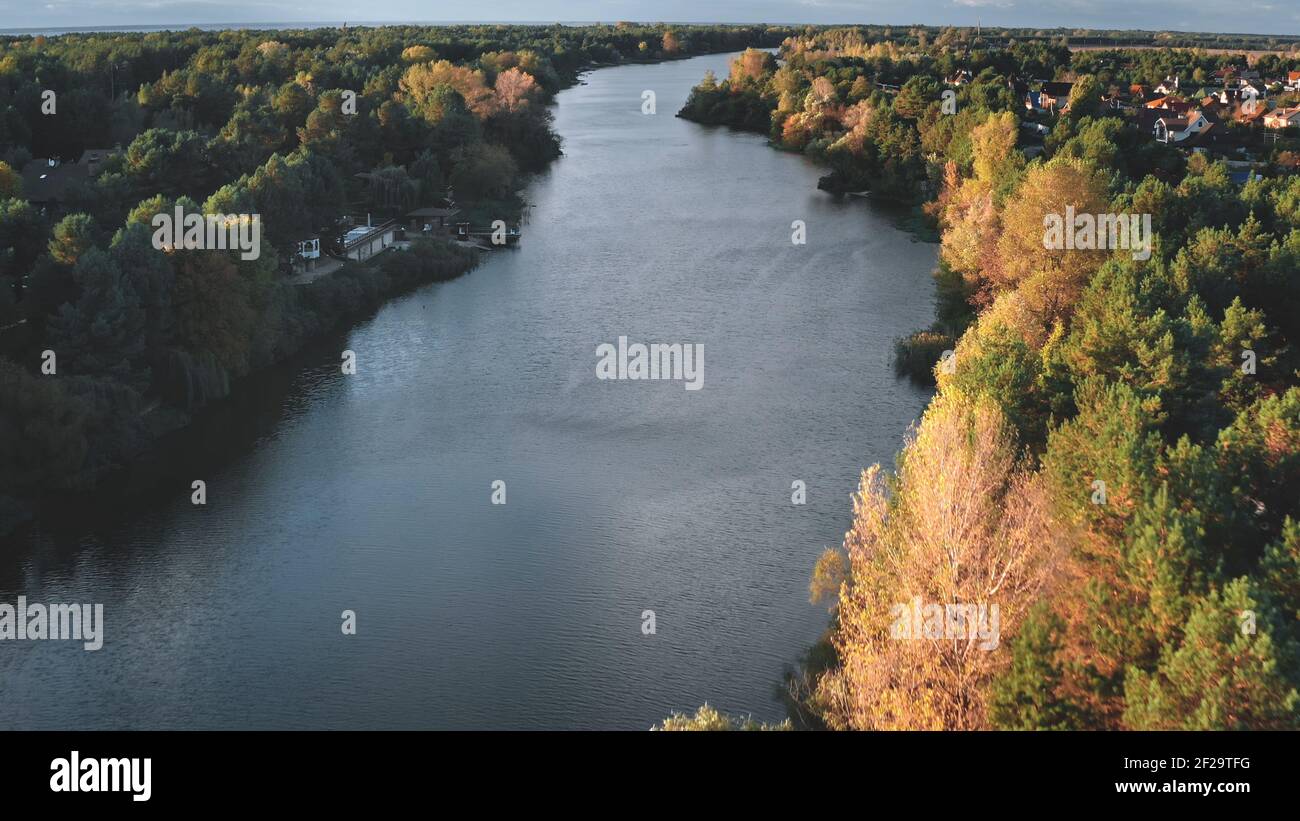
[(372, 492)]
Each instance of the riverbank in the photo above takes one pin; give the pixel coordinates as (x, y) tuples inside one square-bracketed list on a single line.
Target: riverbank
[(323, 307), (739, 104)]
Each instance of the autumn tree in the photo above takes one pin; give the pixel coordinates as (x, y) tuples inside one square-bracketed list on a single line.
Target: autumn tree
[(752, 64), (420, 80), (515, 89), (418, 54), (1050, 278), (963, 522)]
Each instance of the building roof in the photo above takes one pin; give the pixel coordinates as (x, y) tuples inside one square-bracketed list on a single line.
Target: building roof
[(1056, 89), (1204, 137), (1243, 116), (364, 233), (1145, 118), (94, 158), (43, 182), (1176, 105)]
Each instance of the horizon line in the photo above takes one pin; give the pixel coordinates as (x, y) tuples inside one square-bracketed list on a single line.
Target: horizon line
[(269, 24)]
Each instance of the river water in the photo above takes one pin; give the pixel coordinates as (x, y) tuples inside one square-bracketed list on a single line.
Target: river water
[(372, 492)]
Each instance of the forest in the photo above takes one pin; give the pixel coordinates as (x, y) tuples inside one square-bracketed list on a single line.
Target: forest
[(312, 130), (1112, 453)]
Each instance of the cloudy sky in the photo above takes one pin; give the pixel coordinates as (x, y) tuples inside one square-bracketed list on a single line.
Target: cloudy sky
[(1255, 16)]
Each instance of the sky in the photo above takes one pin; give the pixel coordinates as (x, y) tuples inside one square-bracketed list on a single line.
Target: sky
[(1253, 16)]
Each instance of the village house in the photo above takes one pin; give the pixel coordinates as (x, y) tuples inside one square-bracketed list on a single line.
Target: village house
[(1115, 100), (1168, 86), (1054, 96), (94, 159), (1282, 118), (1293, 80), (1245, 90), (47, 181), (1251, 115), (1175, 129), (306, 254), (1228, 96), (1177, 105), (364, 241), (433, 218)]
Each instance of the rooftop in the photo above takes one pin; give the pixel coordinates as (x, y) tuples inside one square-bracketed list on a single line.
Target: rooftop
[(43, 182)]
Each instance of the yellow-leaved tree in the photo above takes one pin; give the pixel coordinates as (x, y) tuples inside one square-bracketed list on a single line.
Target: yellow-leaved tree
[(963, 523), (1050, 279)]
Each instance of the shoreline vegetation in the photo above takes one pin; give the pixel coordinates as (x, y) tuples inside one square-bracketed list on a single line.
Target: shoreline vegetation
[(1111, 457), (301, 126)]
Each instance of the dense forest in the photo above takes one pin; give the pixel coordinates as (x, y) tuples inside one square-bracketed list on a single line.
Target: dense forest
[(1112, 456), (105, 341)]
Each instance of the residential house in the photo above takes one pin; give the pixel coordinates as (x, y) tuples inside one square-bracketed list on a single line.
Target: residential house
[(1251, 115), (1177, 105), (94, 159), (306, 255), (1233, 72), (46, 181), (1116, 99), (1228, 96), (1176, 129), (1051, 96), (1282, 118), (364, 241), (440, 216), (1144, 119), (1252, 89)]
